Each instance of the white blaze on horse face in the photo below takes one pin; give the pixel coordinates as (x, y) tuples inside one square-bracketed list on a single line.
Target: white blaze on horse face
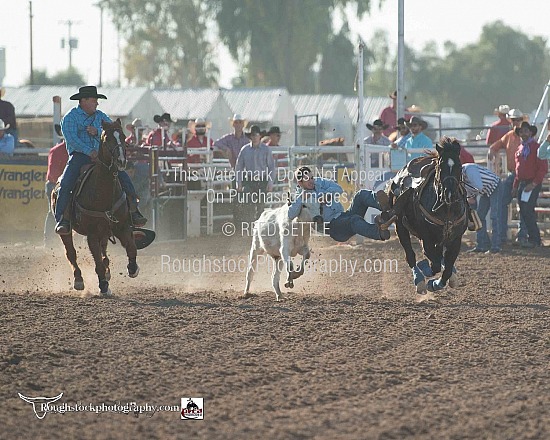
[(450, 164)]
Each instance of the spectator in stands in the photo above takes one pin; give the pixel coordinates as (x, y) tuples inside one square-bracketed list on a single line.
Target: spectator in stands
[(402, 134), (7, 143), (232, 143), (510, 143), (135, 129), (7, 114), (483, 182), (57, 159), (544, 150), (389, 115), (499, 128), (159, 136), (255, 173), (418, 139), (377, 138), (199, 139), (530, 172)]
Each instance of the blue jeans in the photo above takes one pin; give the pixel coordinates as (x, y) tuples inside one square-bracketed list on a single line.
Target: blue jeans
[(352, 221), (506, 198), (70, 176), (527, 212), (486, 203)]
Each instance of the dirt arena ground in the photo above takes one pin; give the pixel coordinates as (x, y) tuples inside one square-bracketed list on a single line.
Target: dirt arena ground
[(343, 357)]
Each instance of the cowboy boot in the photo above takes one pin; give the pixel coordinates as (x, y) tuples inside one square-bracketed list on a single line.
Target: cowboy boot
[(137, 218)]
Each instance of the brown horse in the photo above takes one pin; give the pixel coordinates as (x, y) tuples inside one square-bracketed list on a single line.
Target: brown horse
[(99, 210)]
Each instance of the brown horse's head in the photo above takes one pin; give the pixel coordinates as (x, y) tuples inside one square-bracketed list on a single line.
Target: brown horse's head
[(112, 150)]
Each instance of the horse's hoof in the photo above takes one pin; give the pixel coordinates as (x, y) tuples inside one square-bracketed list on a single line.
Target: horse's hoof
[(247, 295), (78, 285), (106, 294), (421, 287), (135, 274), (434, 286), (289, 285), (279, 298), (454, 281)]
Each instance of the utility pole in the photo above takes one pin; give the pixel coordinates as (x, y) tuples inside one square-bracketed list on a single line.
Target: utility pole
[(401, 59), (100, 6), (31, 78), (72, 42)]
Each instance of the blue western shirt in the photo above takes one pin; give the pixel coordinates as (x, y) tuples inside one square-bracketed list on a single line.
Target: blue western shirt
[(418, 141), (74, 125), (331, 209)]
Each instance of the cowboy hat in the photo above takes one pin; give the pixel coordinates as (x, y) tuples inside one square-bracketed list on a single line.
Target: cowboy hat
[(416, 120), (526, 124), (201, 122), (401, 122), (378, 123), (87, 92), (514, 114), (3, 126), (164, 117), (274, 130), (238, 117), (504, 109), (255, 129), (393, 95)]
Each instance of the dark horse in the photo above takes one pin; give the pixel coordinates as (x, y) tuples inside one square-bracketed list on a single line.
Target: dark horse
[(99, 210), (432, 206)]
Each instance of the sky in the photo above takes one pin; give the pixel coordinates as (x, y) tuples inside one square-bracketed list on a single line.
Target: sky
[(425, 20)]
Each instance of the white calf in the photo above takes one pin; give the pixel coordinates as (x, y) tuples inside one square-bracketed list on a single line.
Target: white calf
[(281, 238)]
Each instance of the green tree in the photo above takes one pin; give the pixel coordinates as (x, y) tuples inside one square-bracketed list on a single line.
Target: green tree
[(276, 43), (339, 65), (504, 66), (167, 43), (68, 77)]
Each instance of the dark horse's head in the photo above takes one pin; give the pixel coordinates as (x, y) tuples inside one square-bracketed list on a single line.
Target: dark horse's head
[(448, 178), (112, 150)]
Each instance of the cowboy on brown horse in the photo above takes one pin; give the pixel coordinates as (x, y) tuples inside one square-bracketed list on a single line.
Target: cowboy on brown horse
[(81, 127)]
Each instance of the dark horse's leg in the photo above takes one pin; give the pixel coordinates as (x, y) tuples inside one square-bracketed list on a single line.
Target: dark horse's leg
[(450, 256), (94, 244), (127, 240), (70, 252), (405, 240), (104, 243), (434, 254)]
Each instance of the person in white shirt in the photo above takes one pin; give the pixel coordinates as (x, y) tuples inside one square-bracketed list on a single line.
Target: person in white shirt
[(483, 182)]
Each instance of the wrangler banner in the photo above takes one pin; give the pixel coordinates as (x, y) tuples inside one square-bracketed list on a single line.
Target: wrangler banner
[(23, 204)]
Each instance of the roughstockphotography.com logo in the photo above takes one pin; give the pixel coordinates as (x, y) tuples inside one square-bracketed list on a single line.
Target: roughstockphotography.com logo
[(192, 408), (40, 404)]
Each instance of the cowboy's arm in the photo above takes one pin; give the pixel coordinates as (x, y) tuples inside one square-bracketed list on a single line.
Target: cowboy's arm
[(69, 127), (544, 150), (295, 207), (239, 168), (542, 169), (496, 147)]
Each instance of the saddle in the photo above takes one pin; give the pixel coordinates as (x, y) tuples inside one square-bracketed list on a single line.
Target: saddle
[(410, 179)]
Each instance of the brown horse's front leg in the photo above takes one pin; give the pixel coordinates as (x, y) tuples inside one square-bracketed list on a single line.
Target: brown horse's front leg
[(70, 252), (104, 243), (95, 247), (127, 240)]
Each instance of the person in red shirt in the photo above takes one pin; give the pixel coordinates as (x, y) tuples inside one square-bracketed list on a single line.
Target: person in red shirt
[(135, 127), (57, 159), (198, 140), (499, 128), (389, 115), (466, 156), (159, 136), (530, 172)]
